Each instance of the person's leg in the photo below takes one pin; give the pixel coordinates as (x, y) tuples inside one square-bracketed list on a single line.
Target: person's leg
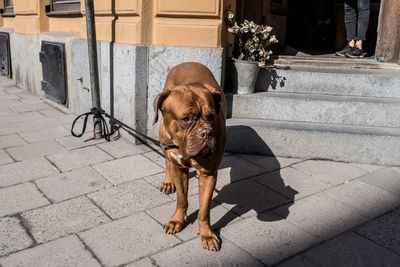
[(363, 10), (350, 19)]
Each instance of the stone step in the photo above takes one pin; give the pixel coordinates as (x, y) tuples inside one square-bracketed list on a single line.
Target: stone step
[(332, 81), (348, 110), (361, 144)]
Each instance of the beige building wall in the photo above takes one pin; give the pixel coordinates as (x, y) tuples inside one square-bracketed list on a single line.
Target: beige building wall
[(162, 22)]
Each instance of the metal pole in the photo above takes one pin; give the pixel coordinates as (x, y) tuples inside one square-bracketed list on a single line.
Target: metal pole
[(93, 65)]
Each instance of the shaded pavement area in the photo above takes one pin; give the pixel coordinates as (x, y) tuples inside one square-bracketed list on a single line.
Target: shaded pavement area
[(66, 202)]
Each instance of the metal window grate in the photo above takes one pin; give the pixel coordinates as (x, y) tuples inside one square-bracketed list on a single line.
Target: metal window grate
[(65, 7), (5, 55), (54, 83), (8, 7)]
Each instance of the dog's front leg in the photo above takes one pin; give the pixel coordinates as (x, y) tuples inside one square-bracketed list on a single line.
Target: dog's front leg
[(180, 178), (208, 238)]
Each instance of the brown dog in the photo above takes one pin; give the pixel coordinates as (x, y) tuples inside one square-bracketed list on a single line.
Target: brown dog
[(192, 134)]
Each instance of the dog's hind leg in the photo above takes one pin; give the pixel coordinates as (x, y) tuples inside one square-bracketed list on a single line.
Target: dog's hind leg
[(180, 179)]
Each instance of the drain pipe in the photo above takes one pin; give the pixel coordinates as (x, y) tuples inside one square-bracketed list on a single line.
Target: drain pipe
[(93, 65)]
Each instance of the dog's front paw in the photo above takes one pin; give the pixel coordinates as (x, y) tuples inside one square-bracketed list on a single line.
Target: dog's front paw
[(210, 241), (167, 188), (173, 226)]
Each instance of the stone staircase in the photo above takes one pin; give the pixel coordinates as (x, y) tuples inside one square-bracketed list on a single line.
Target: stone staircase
[(336, 109)]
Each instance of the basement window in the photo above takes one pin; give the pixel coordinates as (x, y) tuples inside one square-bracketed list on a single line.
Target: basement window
[(64, 7), (8, 8)]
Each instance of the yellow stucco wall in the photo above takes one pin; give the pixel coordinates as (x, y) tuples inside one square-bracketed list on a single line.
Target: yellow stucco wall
[(164, 22)]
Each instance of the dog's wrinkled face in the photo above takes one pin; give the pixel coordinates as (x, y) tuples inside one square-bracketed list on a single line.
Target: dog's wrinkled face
[(189, 119)]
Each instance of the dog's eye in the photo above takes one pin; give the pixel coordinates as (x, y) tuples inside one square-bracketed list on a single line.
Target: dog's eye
[(186, 120)]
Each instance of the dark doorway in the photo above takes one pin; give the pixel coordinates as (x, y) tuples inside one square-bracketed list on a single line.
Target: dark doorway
[(307, 27)]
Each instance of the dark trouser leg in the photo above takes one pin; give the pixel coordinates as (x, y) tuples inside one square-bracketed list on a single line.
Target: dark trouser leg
[(350, 19), (363, 7)]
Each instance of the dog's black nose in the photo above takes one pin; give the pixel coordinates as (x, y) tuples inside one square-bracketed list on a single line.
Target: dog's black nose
[(205, 133)]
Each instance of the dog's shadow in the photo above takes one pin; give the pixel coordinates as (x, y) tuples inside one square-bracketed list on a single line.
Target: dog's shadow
[(255, 185)]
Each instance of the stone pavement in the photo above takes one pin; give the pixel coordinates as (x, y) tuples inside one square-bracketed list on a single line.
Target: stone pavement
[(66, 202)]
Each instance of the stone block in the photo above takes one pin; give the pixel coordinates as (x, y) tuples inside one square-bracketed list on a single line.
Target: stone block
[(387, 179), (72, 142), (146, 262), (126, 240), (234, 168), (129, 198), (191, 254), (68, 251), (13, 236), (384, 231), (67, 185), (292, 183), (27, 107), (19, 198), (62, 219), (367, 200), (351, 250), (367, 167), (35, 150), (329, 171), (298, 261), (321, 216), (69, 160), (126, 169), (5, 158), (219, 217), (268, 237), (44, 135), (10, 141), (122, 148), (248, 198), (156, 158), (270, 163), (18, 126), (20, 172)]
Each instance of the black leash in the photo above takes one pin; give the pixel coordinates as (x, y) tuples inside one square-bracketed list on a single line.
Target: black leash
[(115, 126)]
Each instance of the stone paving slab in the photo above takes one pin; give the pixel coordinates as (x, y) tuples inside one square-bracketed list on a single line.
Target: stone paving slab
[(35, 150), (351, 249), (269, 237), (321, 216), (5, 158), (388, 180), (234, 168), (10, 141), (44, 134), (19, 198), (69, 160), (72, 142), (298, 261), (68, 251), (26, 107), (219, 217), (18, 126), (146, 262), (270, 163), (20, 172), (369, 201), (329, 171), (67, 185), (61, 219), (292, 183), (367, 167), (28, 117), (13, 236), (191, 254), (156, 158), (128, 239), (384, 231), (121, 148), (128, 198), (127, 169)]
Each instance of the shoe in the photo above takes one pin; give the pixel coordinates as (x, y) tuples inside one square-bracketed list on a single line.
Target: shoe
[(343, 52), (355, 53)]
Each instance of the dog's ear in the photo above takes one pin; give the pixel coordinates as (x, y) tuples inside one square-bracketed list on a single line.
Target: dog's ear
[(158, 101), (217, 100)]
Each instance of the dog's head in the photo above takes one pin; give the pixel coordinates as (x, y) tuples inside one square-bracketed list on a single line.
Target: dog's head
[(190, 118)]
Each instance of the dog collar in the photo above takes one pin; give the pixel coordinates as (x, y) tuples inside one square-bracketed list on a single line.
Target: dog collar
[(166, 146)]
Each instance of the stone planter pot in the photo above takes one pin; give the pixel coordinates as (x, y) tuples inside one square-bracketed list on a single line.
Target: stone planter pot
[(244, 76)]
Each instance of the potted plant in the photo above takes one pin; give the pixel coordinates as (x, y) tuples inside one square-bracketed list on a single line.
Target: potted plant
[(252, 42)]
